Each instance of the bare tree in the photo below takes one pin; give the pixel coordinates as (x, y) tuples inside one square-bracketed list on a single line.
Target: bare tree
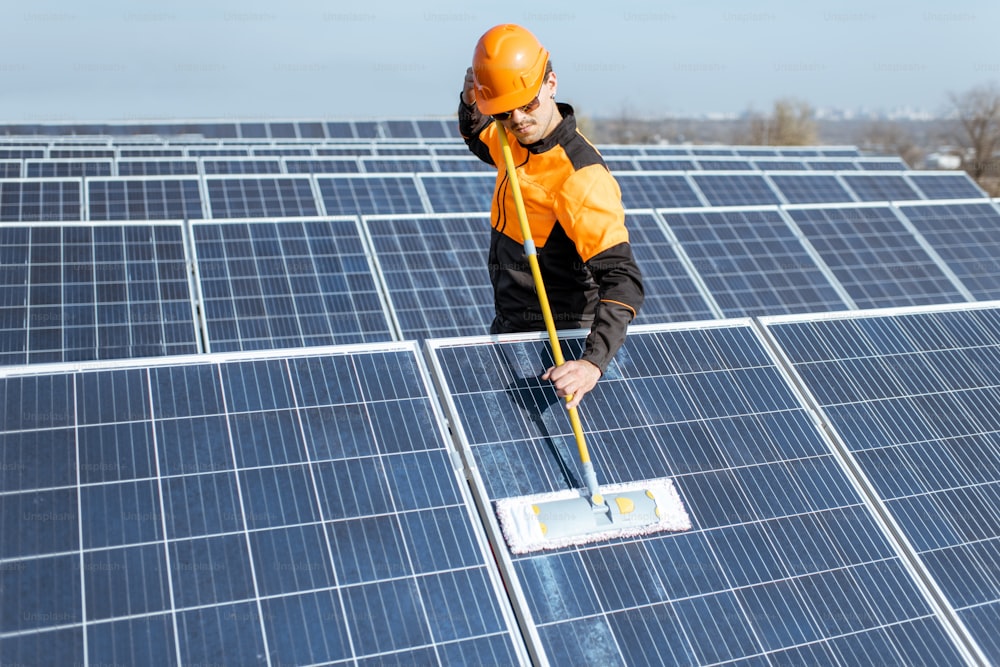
[(889, 138), (791, 123), (978, 113)]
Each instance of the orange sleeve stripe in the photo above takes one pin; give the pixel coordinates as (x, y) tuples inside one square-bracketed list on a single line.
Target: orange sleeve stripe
[(623, 305)]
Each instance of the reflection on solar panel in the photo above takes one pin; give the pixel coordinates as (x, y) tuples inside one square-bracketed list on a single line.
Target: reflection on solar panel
[(966, 236), (288, 283), (157, 167), (67, 168), (261, 197), (752, 262), (434, 269), (28, 201), (880, 187), (656, 190), (82, 292), (735, 189), (365, 195), (144, 199), (947, 186), (877, 260), (295, 510), (785, 563), (671, 295), (810, 188), (915, 399), (456, 194)]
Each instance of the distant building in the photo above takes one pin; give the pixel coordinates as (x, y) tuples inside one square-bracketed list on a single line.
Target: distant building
[(942, 161)]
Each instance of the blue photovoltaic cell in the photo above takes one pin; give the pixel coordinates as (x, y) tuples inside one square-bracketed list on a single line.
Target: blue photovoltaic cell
[(459, 194), (360, 195), (157, 167), (646, 190), (784, 564), (218, 152), (176, 199), (890, 164), (293, 511), (279, 152), (29, 201), (780, 165), (396, 165), (242, 166), (73, 293), (811, 188), (462, 165), (268, 285), (877, 260), (752, 263), (321, 166), (666, 164), (735, 189), (261, 197), (880, 187), (435, 272), (11, 169), (79, 153), (831, 165), (967, 237), (671, 295), (724, 165), (916, 400), (66, 168), (947, 186)]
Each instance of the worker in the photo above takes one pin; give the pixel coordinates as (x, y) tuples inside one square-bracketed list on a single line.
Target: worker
[(572, 201)]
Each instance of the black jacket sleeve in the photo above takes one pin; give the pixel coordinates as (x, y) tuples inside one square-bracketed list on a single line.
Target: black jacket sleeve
[(620, 293), (470, 124)]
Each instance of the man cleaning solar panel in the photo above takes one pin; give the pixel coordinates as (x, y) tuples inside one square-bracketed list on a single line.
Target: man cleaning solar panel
[(559, 257)]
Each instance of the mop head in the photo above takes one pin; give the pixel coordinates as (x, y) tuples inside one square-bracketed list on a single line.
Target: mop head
[(567, 518)]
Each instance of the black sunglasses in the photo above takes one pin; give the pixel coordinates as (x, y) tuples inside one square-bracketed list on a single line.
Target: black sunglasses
[(527, 108)]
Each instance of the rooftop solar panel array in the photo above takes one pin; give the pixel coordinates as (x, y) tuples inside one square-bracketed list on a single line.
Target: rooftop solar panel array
[(286, 502)]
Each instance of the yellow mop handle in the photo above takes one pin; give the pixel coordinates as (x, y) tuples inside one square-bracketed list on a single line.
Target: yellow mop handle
[(536, 273)]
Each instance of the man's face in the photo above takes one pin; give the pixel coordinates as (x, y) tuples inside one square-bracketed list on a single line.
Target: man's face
[(531, 126)]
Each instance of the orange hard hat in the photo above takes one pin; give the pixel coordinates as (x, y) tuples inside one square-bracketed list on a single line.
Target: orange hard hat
[(509, 68)]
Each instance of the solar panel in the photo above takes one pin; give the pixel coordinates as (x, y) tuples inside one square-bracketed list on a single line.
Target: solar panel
[(831, 165), (671, 294), (947, 186), (735, 189), (458, 193), (724, 165), (462, 164), (841, 152), (66, 168), (289, 283), (21, 153), (436, 129), (810, 188), (656, 190), (874, 256), (881, 164), (23, 200), (779, 165), (880, 187), (218, 152), (965, 235), (164, 167), (396, 164), (81, 153), (83, 292), (914, 399), (144, 199), (435, 274), (10, 169), (276, 197), (785, 563), (293, 509), (370, 194), (752, 263), (286, 151), (241, 166), (666, 164), (340, 151), (329, 165)]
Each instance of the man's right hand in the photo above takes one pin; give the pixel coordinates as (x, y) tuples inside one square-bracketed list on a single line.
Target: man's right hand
[(469, 88)]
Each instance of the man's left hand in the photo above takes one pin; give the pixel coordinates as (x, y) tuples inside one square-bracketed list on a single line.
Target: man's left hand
[(574, 378)]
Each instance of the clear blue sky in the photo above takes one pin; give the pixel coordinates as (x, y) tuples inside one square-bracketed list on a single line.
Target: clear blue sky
[(116, 60)]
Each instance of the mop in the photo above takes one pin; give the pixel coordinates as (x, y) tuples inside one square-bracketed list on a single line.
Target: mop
[(579, 516)]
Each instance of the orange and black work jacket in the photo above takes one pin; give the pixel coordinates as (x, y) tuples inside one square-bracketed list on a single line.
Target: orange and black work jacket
[(575, 212)]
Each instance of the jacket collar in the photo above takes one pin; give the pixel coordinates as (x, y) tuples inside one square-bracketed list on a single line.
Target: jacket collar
[(563, 131)]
